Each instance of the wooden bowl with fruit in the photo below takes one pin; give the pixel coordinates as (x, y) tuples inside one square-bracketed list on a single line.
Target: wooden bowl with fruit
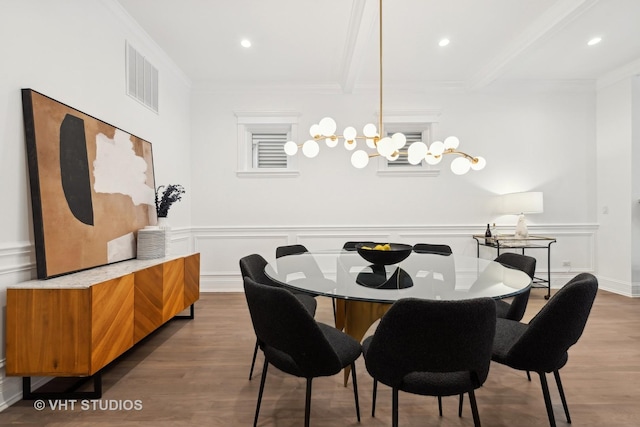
[(384, 253)]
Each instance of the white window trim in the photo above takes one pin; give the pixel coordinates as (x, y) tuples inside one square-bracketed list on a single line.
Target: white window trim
[(258, 122), (405, 121)]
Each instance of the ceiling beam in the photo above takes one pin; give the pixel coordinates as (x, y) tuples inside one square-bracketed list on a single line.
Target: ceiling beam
[(553, 20), (364, 16)]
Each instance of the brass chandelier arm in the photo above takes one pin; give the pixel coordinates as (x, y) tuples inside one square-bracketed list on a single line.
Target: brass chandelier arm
[(380, 127), (334, 137), (447, 151), (461, 153)]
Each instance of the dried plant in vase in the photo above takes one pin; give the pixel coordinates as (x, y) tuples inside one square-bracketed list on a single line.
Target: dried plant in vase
[(164, 199)]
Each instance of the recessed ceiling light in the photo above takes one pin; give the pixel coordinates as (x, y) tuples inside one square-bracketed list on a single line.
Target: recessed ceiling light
[(245, 43), (443, 42), (594, 40)]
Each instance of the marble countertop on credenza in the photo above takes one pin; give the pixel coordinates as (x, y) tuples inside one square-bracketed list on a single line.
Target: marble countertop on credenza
[(87, 278)]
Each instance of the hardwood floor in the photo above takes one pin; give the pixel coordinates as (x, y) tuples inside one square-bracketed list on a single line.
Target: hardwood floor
[(195, 372)]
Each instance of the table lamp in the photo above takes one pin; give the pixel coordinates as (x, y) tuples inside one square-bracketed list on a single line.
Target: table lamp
[(519, 204)]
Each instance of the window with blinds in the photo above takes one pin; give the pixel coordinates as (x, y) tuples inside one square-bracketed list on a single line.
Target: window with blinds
[(268, 150), (402, 160)]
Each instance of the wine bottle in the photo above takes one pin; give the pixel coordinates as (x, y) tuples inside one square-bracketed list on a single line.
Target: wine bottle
[(487, 236)]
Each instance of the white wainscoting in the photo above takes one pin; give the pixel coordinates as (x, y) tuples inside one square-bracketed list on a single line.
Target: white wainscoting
[(17, 264), (222, 247)]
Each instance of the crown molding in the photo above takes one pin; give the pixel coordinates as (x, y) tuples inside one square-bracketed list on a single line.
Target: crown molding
[(553, 20), (150, 45), (629, 70)]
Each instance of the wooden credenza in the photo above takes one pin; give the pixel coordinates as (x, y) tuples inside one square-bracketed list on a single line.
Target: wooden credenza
[(74, 325)]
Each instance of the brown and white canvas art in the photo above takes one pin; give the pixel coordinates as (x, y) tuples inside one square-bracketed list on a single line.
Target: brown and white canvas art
[(92, 187)]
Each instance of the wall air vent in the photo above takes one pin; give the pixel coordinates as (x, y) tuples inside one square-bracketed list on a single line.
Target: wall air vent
[(142, 79)]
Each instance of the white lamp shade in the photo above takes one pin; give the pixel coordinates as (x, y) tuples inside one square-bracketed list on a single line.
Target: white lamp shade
[(527, 202)]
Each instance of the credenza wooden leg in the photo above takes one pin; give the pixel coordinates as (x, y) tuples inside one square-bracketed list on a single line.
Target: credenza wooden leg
[(70, 392)]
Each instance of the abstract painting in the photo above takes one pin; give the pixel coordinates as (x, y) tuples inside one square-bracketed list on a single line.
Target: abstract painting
[(92, 187)]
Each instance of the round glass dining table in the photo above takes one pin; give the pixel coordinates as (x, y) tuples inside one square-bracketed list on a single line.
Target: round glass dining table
[(346, 275), (363, 292)]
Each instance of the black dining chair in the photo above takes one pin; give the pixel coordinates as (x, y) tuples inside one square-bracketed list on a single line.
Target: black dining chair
[(352, 245), (253, 266), (433, 348), (311, 268), (290, 250), (295, 343), (542, 345), (516, 309), (429, 248)]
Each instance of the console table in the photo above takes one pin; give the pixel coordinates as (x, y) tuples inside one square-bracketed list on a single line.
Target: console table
[(74, 325), (510, 241)]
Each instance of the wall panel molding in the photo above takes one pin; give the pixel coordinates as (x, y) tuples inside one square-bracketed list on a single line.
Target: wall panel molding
[(222, 247), (17, 258)]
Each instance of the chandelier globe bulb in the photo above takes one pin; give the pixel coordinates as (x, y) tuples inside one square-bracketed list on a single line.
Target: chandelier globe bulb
[(310, 148), (350, 133), (327, 126), (385, 146), (451, 143), (460, 165), (360, 159), (291, 148), (349, 145), (437, 148), (370, 130), (479, 164)]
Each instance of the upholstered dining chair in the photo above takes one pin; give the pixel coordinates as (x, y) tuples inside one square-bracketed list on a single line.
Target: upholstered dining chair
[(542, 345), (515, 310), (295, 343), (433, 348), (311, 268), (429, 248), (253, 266), (290, 250), (351, 245)]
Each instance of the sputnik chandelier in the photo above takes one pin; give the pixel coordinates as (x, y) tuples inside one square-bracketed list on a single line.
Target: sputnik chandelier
[(389, 147)]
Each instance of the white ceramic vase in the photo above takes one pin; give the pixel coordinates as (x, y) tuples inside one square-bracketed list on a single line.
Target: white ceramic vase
[(163, 224)]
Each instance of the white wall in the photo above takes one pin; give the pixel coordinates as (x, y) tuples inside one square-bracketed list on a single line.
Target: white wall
[(539, 139), (615, 173), (635, 186), (74, 52), (532, 141)]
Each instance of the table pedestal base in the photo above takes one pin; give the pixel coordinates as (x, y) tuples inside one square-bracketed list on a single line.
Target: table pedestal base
[(355, 318)]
